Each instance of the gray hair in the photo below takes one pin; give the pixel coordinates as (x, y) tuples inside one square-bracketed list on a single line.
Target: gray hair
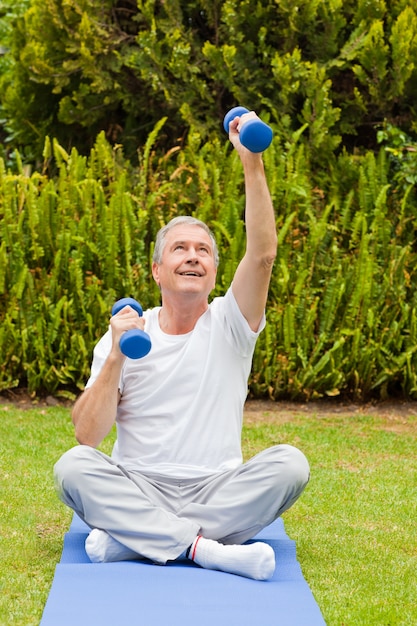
[(182, 219)]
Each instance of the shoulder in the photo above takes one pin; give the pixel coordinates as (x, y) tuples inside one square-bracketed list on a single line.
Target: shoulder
[(151, 314)]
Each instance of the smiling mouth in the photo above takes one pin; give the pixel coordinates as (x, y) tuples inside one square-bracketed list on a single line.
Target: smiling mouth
[(190, 274)]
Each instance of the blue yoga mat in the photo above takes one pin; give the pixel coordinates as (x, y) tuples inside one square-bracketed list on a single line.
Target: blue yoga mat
[(139, 593)]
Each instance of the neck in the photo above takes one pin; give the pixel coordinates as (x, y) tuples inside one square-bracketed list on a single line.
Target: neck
[(180, 319)]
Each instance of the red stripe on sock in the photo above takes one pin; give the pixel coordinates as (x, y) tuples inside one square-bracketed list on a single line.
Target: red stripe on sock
[(195, 547)]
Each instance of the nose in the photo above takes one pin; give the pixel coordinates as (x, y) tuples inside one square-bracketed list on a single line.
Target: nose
[(192, 256)]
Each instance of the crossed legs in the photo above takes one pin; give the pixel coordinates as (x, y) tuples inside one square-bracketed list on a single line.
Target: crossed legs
[(162, 520)]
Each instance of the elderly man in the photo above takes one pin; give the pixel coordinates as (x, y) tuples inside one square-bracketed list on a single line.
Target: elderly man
[(176, 485)]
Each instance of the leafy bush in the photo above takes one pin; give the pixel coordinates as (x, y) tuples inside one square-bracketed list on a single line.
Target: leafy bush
[(73, 243), (338, 69), (342, 307), (343, 310)]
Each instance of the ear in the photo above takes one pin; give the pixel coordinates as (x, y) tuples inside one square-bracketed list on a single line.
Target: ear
[(155, 272), (214, 279)]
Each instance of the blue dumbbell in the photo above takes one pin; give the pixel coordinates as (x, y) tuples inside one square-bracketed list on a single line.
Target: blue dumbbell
[(255, 135), (134, 343)]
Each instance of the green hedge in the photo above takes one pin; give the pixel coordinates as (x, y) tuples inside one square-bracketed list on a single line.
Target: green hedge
[(342, 308), (74, 68)]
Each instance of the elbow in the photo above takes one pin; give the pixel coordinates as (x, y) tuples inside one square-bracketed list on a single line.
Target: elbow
[(265, 257), (85, 439), (270, 251), (268, 259), (83, 435)]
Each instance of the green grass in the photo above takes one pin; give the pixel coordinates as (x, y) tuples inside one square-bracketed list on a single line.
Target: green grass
[(354, 525)]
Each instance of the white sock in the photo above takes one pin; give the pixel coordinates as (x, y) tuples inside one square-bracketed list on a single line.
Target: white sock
[(253, 560), (102, 548)]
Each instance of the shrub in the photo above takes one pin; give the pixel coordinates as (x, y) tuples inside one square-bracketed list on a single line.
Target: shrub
[(338, 69), (342, 304)]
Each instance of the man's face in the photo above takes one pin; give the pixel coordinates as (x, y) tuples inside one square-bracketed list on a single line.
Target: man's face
[(188, 264)]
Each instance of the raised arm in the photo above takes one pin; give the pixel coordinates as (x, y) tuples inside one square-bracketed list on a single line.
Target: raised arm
[(94, 413), (251, 281)]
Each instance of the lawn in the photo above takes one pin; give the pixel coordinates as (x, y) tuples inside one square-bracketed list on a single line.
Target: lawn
[(354, 526)]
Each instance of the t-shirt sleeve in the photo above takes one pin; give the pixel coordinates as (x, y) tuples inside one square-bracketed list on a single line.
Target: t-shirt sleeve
[(100, 354), (239, 332)]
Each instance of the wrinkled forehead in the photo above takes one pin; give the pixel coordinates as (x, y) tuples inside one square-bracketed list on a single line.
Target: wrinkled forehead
[(188, 233)]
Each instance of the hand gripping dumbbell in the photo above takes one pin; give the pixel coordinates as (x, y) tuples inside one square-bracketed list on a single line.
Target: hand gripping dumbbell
[(134, 343), (255, 135)]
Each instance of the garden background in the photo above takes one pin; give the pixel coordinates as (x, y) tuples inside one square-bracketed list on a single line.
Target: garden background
[(111, 118), (111, 123)]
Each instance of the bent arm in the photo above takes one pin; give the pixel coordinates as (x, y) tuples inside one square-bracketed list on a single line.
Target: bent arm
[(94, 413), (251, 281)]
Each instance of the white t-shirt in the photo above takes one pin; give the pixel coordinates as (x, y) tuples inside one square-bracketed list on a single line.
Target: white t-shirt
[(181, 408)]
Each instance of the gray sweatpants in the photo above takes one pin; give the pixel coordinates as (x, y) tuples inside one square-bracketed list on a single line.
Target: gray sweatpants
[(158, 518)]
